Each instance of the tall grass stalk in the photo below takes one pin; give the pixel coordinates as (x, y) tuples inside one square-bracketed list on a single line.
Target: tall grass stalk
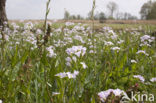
[(92, 14), (46, 27), (92, 36), (46, 15)]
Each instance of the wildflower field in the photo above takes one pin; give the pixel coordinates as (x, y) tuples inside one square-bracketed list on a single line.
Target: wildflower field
[(73, 63)]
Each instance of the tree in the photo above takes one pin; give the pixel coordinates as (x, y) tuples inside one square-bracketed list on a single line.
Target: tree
[(3, 17), (102, 17), (79, 17), (112, 7), (89, 15), (66, 15), (148, 10), (96, 16), (119, 16), (128, 16), (72, 17), (152, 13), (145, 10), (125, 16)]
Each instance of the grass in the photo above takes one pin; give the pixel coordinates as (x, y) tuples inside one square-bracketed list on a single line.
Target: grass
[(66, 62), (28, 72), (115, 24)]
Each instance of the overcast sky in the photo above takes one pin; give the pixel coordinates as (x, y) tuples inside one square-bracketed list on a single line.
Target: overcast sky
[(35, 9)]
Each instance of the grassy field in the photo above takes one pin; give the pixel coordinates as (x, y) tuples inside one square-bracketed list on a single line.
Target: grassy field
[(72, 63), (131, 27)]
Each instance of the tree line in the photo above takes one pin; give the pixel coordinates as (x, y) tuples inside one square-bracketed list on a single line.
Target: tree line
[(114, 14), (147, 12)]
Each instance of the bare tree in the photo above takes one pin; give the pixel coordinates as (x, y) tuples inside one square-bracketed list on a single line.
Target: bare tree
[(119, 15), (3, 17), (112, 7)]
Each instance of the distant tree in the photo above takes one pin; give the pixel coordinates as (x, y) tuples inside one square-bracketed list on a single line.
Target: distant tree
[(128, 16), (119, 15), (112, 7), (102, 17), (125, 16), (96, 16), (89, 15), (148, 10), (72, 17), (66, 15), (152, 13), (3, 17), (145, 10), (79, 17)]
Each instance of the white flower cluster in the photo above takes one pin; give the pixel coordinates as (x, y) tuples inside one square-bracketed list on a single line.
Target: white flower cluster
[(77, 27), (115, 49), (109, 33), (153, 79), (120, 41), (1, 101), (69, 23), (83, 65), (39, 31), (108, 43), (68, 74), (142, 52), (51, 51), (142, 79), (133, 61), (146, 40), (107, 28), (31, 39), (113, 35), (60, 43), (76, 50), (69, 60), (77, 37), (104, 94), (28, 25), (55, 93)]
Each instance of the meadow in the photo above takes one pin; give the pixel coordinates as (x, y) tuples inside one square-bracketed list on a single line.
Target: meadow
[(73, 63)]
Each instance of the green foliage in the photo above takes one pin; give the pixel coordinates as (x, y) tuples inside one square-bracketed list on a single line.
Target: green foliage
[(148, 10), (152, 14), (66, 15), (28, 75)]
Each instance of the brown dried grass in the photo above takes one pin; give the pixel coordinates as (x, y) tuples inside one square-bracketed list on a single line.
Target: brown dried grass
[(96, 21)]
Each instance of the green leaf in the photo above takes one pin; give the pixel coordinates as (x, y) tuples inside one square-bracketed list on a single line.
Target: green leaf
[(24, 57)]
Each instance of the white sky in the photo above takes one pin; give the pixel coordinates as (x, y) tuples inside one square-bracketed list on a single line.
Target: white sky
[(35, 9)]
